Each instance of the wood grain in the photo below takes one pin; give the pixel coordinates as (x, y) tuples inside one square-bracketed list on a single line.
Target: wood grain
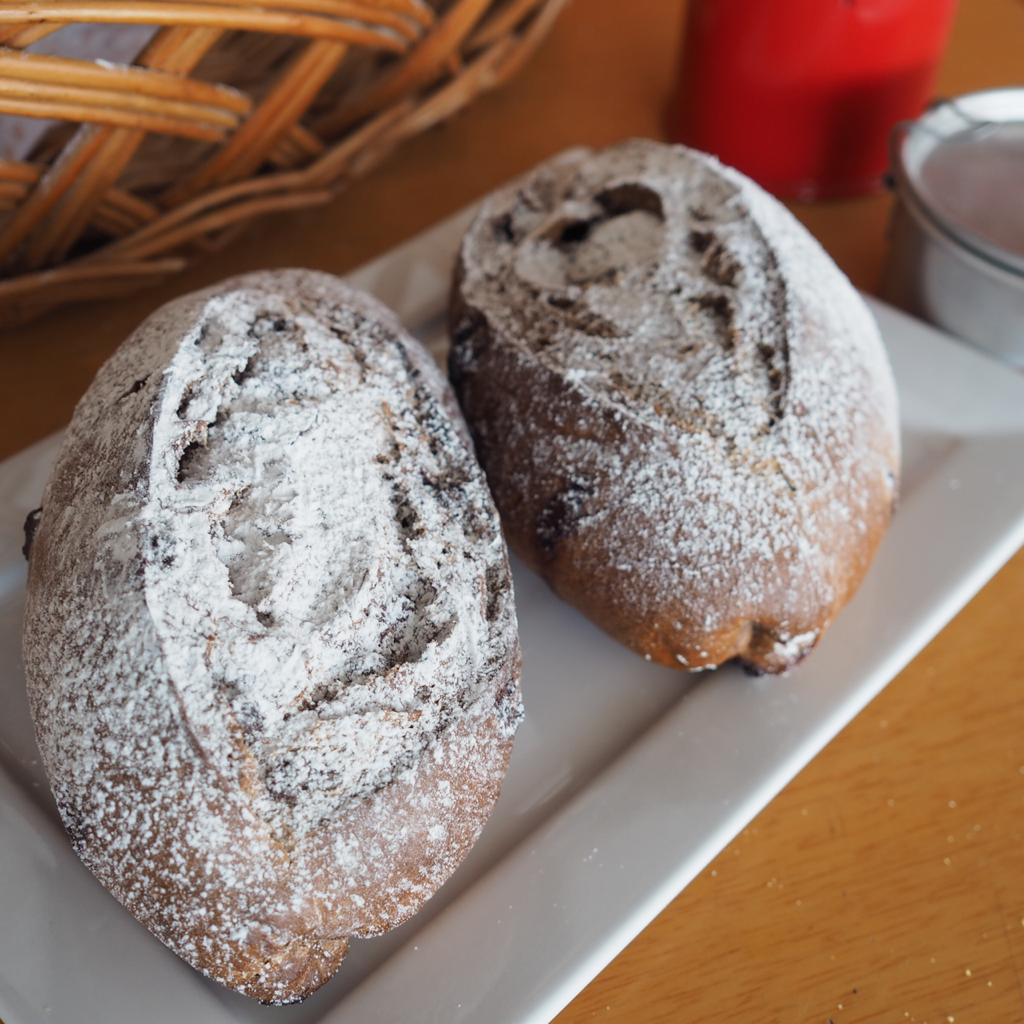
[(886, 883)]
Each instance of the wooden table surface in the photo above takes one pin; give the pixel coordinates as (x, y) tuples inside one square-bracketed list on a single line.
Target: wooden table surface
[(886, 883)]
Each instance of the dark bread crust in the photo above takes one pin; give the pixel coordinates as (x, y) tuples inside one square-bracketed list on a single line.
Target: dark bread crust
[(663, 573), (159, 785)]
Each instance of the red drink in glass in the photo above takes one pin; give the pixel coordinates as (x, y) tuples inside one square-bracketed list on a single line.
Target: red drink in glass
[(802, 94)]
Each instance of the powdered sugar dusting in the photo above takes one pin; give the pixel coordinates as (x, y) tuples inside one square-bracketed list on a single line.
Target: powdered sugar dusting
[(300, 556), (270, 640), (720, 423)]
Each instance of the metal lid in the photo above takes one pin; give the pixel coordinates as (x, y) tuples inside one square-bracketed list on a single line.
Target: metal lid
[(963, 162)]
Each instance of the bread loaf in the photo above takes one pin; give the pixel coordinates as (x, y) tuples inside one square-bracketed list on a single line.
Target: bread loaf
[(270, 641), (684, 410)]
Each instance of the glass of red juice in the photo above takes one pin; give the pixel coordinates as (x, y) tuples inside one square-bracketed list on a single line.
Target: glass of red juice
[(802, 94)]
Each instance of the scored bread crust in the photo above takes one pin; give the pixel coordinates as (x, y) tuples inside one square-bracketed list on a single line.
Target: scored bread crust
[(270, 641), (684, 409)]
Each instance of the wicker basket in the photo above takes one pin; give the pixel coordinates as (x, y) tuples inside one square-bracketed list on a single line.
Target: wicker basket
[(230, 110)]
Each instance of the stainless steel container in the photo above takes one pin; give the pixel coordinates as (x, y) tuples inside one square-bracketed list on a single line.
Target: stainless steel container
[(956, 256)]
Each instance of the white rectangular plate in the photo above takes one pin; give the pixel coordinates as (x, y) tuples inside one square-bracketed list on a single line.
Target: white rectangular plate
[(626, 778)]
